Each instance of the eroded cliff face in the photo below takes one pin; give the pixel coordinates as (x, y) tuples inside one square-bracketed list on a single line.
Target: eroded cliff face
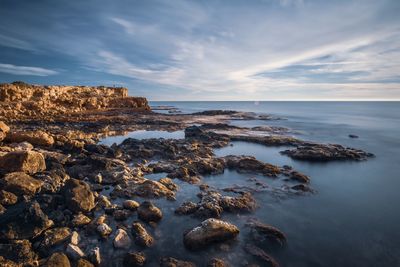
[(20, 100)]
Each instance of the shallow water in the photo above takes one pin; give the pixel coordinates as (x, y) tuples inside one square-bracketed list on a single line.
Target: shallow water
[(142, 134), (353, 218)]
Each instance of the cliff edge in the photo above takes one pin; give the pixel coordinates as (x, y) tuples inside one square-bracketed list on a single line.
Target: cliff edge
[(20, 100)]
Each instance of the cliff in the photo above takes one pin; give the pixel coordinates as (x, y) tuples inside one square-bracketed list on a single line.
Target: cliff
[(19, 100)]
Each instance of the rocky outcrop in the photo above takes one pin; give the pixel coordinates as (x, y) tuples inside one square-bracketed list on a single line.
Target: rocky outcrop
[(208, 232), (20, 100)]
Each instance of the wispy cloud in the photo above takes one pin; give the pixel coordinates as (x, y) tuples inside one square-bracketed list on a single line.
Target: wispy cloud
[(15, 43), (25, 70)]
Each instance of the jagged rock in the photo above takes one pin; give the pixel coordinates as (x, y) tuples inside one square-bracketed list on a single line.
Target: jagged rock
[(78, 196), (18, 251), (20, 183), (262, 232), (167, 182), (130, 205), (104, 230), (57, 259), (74, 252), (172, 262), (30, 162), (36, 138), (302, 178), (80, 220), (84, 263), (142, 237), (4, 129), (53, 237), (134, 259), (121, 239), (148, 212), (251, 164), (7, 198), (326, 152), (208, 232), (261, 254), (217, 263), (23, 221)]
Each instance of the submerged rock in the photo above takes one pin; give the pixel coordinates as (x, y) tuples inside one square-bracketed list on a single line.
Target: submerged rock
[(208, 232), (148, 212), (142, 237), (29, 162), (262, 232), (134, 259), (121, 239), (261, 254), (20, 183), (78, 196), (172, 262)]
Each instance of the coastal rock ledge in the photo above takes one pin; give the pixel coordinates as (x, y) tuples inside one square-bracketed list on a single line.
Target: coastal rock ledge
[(19, 100)]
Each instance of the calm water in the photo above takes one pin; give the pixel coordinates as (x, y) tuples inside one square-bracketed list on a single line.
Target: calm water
[(352, 220)]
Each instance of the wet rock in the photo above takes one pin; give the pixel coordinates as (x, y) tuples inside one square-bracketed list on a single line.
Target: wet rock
[(142, 237), (243, 203), (23, 221), (75, 238), (4, 129), (57, 259), (78, 196), (121, 239), (208, 232), (326, 152), (84, 263), (53, 237), (145, 188), (7, 198), (36, 138), (217, 263), (262, 232), (20, 183), (103, 202), (133, 259), (148, 212), (167, 182), (18, 251), (353, 136), (121, 215), (187, 207), (2, 209), (94, 256), (252, 165), (80, 220), (74, 252), (7, 263), (302, 187), (104, 230), (130, 205), (29, 162), (261, 254), (172, 262), (302, 178)]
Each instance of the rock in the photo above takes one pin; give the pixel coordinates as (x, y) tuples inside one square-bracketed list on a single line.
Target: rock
[(23, 221), (121, 239), (252, 165), (75, 238), (326, 152), (36, 138), (7, 263), (208, 232), (217, 263), (84, 263), (187, 207), (302, 178), (302, 187), (78, 196), (148, 212), (2, 209), (353, 136), (29, 162), (74, 252), (25, 146), (133, 259), (57, 259), (130, 205), (20, 183), (18, 251), (103, 202), (104, 230), (172, 262), (167, 182), (7, 198), (80, 220), (146, 189), (53, 237), (94, 256), (4, 129), (262, 232), (261, 254), (121, 215), (142, 237)]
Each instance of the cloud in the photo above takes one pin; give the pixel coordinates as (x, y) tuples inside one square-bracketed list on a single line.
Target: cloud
[(25, 70)]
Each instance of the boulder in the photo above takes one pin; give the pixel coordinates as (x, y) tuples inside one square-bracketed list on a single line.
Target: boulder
[(172, 262), (208, 232), (80, 220), (53, 237), (262, 232), (134, 259), (130, 205), (121, 239), (20, 183), (29, 162), (57, 259), (78, 196), (104, 230), (36, 138), (148, 212), (142, 237), (74, 252), (94, 256)]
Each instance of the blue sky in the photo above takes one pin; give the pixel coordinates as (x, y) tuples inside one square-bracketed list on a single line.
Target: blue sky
[(207, 50)]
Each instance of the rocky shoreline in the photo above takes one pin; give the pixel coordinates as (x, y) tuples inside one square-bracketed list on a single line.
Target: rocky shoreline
[(67, 200)]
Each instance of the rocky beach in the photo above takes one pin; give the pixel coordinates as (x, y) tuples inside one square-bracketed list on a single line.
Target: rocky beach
[(68, 199)]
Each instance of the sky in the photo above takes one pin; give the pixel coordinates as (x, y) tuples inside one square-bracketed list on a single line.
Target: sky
[(207, 50)]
